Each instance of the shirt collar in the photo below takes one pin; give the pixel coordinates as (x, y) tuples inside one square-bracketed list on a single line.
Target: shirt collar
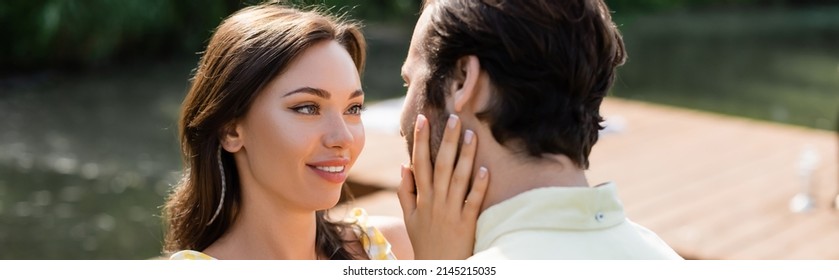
[(551, 208)]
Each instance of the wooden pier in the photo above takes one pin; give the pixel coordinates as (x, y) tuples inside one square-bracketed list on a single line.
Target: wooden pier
[(712, 186)]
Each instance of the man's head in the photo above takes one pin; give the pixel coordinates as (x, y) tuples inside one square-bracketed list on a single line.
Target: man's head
[(549, 64)]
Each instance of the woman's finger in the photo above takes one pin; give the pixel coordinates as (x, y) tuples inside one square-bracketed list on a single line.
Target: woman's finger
[(463, 171), (421, 161), (406, 193), (445, 160), (473, 202)]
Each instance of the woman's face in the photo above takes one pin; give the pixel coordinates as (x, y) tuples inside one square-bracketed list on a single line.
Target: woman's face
[(303, 132)]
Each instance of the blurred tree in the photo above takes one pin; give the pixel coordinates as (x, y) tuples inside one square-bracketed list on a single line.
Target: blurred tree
[(60, 33), (643, 6), (47, 33), (377, 10)]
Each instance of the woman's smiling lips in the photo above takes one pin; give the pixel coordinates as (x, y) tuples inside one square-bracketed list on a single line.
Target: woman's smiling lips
[(333, 170)]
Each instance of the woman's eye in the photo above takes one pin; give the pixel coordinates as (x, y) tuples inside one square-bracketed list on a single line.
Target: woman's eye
[(306, 109), (355, 109)]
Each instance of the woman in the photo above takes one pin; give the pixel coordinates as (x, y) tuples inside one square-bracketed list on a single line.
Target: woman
[(269, 130)]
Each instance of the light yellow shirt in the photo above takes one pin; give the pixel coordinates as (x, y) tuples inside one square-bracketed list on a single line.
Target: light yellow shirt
[(372, 240), (565, 223)]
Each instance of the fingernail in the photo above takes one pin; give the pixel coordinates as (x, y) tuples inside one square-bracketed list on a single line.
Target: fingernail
[(467, 137), (482, 172), (452, 120), (420, 122)]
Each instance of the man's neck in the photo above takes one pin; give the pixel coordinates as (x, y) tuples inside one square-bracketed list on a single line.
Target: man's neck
[(514, 173)]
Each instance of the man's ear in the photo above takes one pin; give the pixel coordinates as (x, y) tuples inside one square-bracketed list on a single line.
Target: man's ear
[(231, 137), (465, 86)]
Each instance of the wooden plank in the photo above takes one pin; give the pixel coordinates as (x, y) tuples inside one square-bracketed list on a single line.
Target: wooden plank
[(668, 191), (823, 247), (785, 239)]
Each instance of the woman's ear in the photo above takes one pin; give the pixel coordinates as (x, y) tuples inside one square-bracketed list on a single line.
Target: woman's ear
[(231, 137), (466, 79)]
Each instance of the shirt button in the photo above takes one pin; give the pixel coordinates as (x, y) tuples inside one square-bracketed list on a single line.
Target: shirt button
[(599, 217)]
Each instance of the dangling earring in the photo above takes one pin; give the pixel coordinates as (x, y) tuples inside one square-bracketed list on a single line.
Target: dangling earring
[(221, 170)]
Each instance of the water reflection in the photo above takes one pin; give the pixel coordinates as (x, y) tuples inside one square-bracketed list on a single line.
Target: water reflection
[(85, 160)]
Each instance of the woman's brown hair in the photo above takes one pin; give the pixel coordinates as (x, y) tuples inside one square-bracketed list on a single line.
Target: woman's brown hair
[(248, 49)]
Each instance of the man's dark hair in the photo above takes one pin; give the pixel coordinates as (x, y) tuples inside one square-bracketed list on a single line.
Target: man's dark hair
[(550, 62)]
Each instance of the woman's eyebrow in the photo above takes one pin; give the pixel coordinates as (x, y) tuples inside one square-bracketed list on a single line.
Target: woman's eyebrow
[(321, 92), (310, 90), (356, 93)]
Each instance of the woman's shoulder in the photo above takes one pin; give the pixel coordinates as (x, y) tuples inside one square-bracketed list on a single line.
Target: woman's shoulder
[(190, 255)]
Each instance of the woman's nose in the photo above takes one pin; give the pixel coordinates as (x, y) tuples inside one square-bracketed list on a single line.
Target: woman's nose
[(338, 134)]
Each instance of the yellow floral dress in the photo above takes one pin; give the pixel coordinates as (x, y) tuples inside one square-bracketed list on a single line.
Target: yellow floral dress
[(372, 240)]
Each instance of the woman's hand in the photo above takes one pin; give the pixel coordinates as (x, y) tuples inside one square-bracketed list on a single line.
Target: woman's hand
[(439, 215)]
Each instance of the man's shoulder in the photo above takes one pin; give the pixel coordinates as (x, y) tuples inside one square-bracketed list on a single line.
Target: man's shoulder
[(625, 241)]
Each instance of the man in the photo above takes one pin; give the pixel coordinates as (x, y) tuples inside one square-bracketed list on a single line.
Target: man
[(527, 78)]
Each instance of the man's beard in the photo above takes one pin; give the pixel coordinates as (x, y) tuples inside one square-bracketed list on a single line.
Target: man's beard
[(436, 119)]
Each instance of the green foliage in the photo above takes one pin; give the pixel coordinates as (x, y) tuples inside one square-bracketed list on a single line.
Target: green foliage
[(635, 6), (647, 6), (377, 10), (59, 33)]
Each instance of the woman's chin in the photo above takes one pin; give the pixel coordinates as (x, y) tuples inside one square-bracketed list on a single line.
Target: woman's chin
[(328, 201)]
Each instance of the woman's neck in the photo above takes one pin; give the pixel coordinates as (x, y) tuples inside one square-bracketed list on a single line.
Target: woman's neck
[(265, 230)]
